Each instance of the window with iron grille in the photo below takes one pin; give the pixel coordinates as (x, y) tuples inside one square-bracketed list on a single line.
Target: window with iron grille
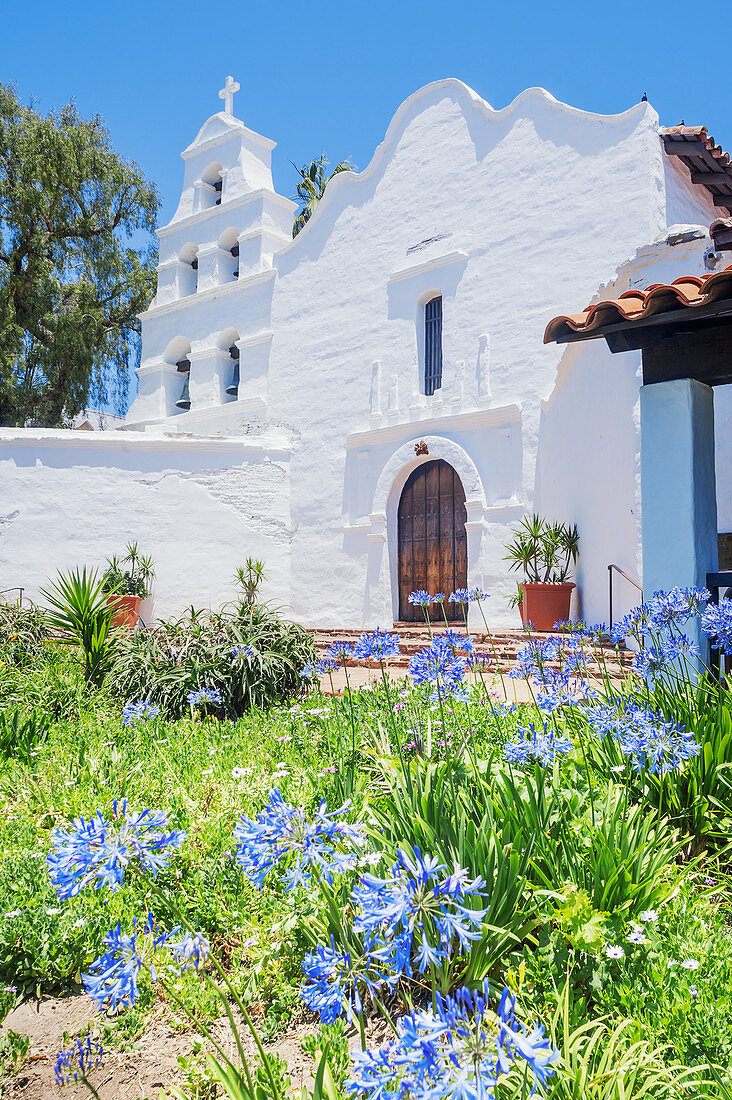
[(432, 346)]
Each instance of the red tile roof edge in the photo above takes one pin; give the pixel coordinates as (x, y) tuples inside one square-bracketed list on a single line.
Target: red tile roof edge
[(685, 293)]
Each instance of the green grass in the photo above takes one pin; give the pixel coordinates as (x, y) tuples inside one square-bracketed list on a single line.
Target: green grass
[(555, 894)]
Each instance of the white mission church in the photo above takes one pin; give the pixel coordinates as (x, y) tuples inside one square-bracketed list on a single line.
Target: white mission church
[(370, 407)]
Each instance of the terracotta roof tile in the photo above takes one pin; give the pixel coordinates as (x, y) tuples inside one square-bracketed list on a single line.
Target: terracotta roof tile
[(688, 292), (710, 166)]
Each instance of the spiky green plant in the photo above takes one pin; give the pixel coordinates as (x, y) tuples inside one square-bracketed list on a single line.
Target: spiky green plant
[(78, 611)]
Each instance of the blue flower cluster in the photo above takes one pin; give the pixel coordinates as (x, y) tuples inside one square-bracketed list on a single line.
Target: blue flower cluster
[(535, 655), (341, 652), (457, 1050), (717, 625), (76, 1062), (468, 595), (423, 599), (556, 689), (644, 736), (192, 951), (543, 745), (98, 852), (315, 669), (204, 695), (141, 711), (654, 658), (662, 613), (243, 651), (283, 832), (418, 912), (441, 664), (113, 976), (337, 981), (376, 644)]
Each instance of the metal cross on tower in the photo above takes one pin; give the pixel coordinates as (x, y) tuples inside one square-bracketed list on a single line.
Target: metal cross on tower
[(227, 93)]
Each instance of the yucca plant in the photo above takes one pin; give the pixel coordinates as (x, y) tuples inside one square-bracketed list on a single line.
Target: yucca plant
[(78, 611)]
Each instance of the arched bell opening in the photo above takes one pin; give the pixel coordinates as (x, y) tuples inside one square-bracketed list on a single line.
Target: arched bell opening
[(229, 262), (177, 354), (228, 342), (432, 540), (188, 277), (214, 186)]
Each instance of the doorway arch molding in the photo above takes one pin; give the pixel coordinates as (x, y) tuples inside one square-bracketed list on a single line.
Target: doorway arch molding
[(389, 486)]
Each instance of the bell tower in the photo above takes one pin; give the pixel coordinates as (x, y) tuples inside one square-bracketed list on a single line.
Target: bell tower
[(215, 274)]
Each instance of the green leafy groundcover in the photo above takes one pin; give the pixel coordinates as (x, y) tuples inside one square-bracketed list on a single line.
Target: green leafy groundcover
[(607, 895)]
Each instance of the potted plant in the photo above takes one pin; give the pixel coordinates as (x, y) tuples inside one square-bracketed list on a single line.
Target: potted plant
[(545, 552), (126, 584)]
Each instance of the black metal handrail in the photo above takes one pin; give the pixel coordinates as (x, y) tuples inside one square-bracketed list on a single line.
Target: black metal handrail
[(715, 582), (628, 577)]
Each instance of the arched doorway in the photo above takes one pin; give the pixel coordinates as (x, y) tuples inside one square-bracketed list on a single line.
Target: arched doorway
[(433, 544)]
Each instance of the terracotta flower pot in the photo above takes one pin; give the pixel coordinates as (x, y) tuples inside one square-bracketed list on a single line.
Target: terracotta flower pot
[(127, 611), (545, 604)]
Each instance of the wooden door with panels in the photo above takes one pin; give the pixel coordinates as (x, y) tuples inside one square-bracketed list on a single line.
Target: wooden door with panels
[(432, 541)]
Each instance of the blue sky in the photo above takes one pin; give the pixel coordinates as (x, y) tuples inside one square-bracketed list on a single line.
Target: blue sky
[(328, 77)]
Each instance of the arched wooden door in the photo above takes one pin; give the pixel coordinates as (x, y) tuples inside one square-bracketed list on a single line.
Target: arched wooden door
[(433, 544)]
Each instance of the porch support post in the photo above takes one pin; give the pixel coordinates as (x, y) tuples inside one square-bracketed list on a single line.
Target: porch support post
[(678, 489)]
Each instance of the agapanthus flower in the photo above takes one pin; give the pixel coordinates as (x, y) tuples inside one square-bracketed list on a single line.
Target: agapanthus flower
[(243, 651), (112, 978), (420, 598), (543, 745), (377, 644), (192, 951), (341, 652), (204, 695), (644, 736), (457, 1050), (439, 664), (336, 981), (76, 1062), (419, 912), (98, 852), (717, 625), (316, 669), (558, 689), (283, 832), (141, 711), (654, 659), (460, 595)]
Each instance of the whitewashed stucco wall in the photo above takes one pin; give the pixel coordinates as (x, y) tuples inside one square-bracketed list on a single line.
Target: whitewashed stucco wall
[(588, 468), (198, 507), (536, 205)]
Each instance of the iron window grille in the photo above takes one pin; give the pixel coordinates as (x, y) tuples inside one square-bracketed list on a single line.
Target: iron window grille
[(432, 346)]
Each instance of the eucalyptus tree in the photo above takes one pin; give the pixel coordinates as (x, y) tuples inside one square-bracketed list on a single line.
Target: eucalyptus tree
[(77, 263), (314, 178)]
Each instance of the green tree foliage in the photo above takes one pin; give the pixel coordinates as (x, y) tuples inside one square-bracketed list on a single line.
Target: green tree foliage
[(313, 181), (77, 263)]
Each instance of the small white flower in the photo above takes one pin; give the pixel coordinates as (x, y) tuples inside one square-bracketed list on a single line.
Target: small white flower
[(53, 912), (690, 964), (672, 962), (78, 923), (237, 773), (207, 771), (649, 916), (11, 914), (617, 768), (636, 936), (614, 951)]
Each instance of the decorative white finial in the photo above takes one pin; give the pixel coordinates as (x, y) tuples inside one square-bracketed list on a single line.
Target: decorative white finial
[(227, 93)]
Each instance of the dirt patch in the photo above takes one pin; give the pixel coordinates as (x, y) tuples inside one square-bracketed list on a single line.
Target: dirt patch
[(151, 1068)]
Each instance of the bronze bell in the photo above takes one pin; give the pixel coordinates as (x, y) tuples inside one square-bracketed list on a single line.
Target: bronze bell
[(233, 388), (184, 401)]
